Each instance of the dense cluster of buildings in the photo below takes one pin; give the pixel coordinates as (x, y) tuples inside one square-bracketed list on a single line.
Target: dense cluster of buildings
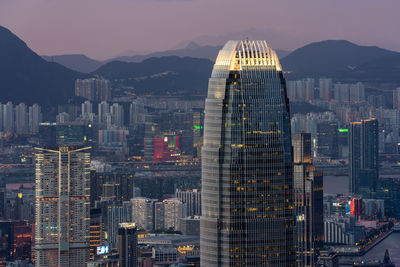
[(115, 180)]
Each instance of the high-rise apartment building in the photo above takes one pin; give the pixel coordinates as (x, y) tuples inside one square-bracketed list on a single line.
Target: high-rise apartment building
[(308, 195), (136, 114), (103, 110), (192, 199), (143, 212), (363, 157), (87, 107), (35, 117), (21, 118), (248, 215), (8, 117), (325, 88), (117, 115), (94, 89), (396, 98), (174, 210), (62, 207)]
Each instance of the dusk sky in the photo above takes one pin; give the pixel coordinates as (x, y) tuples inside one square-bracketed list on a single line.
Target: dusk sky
[(105, 28)]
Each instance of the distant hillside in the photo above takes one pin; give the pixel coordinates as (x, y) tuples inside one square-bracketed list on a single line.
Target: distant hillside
[(344, 60), (191, 50), (85, 64), (79, 63), (26, 77), (165, 75)]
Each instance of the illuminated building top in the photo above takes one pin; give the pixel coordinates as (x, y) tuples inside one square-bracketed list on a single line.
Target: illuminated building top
[(237, 54)]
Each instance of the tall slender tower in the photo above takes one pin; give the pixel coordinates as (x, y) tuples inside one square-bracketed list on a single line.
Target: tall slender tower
[(363, 157), (247, 169), (62, 207), (309, 201)]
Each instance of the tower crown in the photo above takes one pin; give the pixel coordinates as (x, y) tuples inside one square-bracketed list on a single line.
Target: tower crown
[(247, 53)]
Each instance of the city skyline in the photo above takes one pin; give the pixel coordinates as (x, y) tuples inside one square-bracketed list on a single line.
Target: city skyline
[(49, 30)]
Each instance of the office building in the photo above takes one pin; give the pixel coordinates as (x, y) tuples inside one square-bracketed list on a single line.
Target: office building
[(16, 240), (62, 207), (327, 140), (247, 166), (127, 245), (308, 188), (363, 157)]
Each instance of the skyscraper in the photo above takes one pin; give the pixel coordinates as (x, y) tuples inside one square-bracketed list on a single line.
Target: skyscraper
[(363, 157), (127, 245), (328, 139), (62, 207), (247, 169), (308, 194)]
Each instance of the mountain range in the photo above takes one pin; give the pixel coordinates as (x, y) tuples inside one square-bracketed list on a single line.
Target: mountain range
[(27, 77), (343, 60), (85, 64)]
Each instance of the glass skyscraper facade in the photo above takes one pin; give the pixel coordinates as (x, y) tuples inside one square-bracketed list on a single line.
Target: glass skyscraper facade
[(248, 216), (363, 157)]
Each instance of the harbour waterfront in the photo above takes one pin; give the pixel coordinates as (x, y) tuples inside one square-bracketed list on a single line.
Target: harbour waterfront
[(392, 243)]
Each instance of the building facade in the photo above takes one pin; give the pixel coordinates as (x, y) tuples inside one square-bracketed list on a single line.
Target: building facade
[(62, 207), (127, 245), (247, 169), (308, 188), (363, 157)]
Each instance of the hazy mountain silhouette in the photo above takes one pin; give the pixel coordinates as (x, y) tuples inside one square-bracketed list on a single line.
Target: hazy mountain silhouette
[(26, 77), (343, 60), (76, 62)]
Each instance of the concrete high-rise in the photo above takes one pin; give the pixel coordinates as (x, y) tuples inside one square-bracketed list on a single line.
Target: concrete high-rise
[(248, 216), (62, 207), (8, 117), (21, 118), (35, 117), (325, 88), (363, 157), (308, 195)]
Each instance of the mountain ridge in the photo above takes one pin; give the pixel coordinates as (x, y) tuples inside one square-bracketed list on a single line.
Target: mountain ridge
[(26, 77)]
